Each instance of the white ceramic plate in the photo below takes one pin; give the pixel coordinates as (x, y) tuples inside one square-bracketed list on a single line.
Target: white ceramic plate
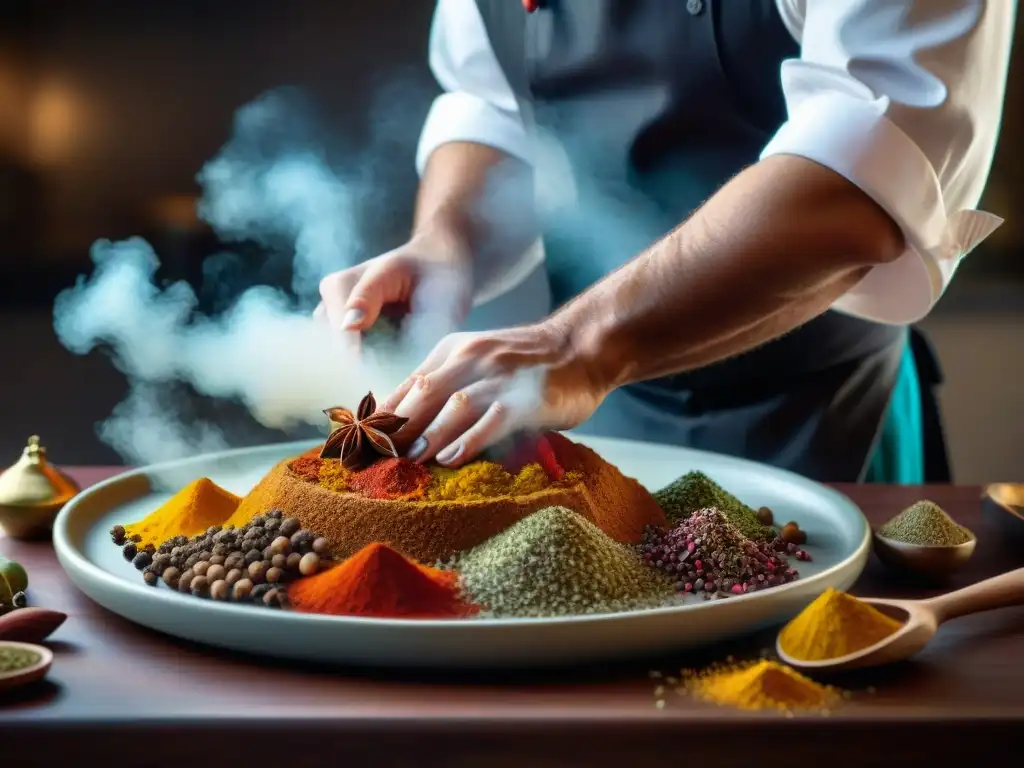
[(838, 535)]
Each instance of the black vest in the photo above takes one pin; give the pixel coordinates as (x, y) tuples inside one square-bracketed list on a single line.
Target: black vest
[(656, 104)]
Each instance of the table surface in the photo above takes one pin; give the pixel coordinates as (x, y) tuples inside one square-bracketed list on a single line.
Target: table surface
[(963, 695)]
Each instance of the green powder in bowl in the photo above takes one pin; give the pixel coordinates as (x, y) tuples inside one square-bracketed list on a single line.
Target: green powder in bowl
[(13, 659), (925, 524)]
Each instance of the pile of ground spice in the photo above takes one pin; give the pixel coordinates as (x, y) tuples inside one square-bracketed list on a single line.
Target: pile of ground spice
[(706, 554), (430, 531), (191, 511), (482, 480), (556, 563), (835, 624), (761, 685), (379, 582), (925, 524), (250, 564), (695, 491), (391, 479)]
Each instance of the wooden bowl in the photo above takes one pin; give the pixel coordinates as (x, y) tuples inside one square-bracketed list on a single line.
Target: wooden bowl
[(933, 562), (29, 674)]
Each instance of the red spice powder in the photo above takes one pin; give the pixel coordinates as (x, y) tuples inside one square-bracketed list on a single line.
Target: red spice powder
[(380, 582), (391, 479), (307, 467)]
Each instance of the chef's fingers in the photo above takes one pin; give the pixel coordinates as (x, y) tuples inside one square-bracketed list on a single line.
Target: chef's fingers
[(438, 357), (428, 396), (385, 280), (459, 413), (335, 290), (494, 426)]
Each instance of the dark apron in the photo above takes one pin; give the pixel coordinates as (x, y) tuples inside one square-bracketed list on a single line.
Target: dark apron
[(656, 104)]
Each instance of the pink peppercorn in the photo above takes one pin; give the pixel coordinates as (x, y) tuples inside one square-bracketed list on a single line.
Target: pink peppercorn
[(737, 589)]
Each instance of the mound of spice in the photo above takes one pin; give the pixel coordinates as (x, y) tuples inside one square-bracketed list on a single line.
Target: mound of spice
[(706, 554), (835, 624), (557, 563), (380, 582), (190, 511), (481, 480), (695, 491), (251, 564), (925, 524), (761, 685)]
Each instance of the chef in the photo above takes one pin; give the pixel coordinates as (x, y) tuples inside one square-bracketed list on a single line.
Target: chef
[(743, 206)]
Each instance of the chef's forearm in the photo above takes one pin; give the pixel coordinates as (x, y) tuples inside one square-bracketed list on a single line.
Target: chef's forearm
[(476, 200), (771, 250)]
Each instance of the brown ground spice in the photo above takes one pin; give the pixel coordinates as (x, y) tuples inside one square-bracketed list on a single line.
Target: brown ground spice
[(434, 531)]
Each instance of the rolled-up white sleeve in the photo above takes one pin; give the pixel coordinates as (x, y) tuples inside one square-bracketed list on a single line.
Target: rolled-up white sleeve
[(904, 99), (478, 104)]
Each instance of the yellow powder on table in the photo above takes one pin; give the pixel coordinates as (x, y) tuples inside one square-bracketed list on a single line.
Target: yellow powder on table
[(190, 511), (762, 685), (834, 625)]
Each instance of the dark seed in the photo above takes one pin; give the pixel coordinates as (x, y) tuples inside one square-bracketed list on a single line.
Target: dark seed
[(129, 551), (142, 559), (117, 534)]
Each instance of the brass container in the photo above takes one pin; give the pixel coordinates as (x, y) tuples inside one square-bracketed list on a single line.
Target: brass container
[(32, 492)]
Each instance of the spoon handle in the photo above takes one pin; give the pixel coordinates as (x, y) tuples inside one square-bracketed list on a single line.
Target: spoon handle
[(997, 592)]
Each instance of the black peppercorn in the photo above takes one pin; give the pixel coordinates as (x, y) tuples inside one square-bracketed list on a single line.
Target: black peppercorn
[(258, 591), (117, 533), (275, 514), (289, 526), (302, 541), (142, 559), (149, 577), (253, 556), (129, 551)]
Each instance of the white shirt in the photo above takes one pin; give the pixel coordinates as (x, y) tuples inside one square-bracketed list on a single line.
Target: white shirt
[(902, 98)]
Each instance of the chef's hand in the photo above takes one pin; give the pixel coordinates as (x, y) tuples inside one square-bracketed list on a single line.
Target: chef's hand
[(430, 276), (475, 389)]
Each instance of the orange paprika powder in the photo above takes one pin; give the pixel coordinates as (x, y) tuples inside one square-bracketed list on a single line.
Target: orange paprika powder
[(380, 582), (391, 479)]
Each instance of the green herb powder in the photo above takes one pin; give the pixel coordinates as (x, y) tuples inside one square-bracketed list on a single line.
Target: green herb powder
[(926, 524), (557, 563), (13, 659), (695, 491)]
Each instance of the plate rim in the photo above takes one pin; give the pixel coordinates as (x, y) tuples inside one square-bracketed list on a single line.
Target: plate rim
[(71, 557)]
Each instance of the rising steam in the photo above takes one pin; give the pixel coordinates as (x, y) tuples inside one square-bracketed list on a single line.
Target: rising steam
[(269, 184)]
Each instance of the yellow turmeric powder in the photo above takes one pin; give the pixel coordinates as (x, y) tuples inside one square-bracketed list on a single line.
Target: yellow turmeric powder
[(762, 685), (190, 511), (834, 625), (333, 476), (485, 480)]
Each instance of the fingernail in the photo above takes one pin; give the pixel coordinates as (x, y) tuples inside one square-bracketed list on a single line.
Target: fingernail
[(417, 449), (353, 317), (449, 454)]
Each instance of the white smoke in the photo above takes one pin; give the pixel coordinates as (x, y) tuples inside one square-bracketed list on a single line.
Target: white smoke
[(266, 351)]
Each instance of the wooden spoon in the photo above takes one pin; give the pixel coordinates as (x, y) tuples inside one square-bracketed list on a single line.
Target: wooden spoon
[(920, 620)]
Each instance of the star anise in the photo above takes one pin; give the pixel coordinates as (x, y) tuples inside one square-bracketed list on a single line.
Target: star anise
[(357, 439)]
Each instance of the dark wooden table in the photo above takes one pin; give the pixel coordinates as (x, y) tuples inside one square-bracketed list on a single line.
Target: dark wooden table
[(120, 695)]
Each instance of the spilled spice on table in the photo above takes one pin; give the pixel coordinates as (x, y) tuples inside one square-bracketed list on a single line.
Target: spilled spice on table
[(761, 685)]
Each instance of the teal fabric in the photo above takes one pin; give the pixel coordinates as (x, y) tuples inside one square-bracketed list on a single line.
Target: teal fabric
[(899, 453)]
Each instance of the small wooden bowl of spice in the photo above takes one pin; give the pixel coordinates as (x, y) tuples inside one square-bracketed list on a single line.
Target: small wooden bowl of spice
[(925, 541), (23, 663)]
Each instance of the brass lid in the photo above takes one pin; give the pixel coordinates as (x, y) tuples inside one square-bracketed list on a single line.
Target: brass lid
[(33, 481)]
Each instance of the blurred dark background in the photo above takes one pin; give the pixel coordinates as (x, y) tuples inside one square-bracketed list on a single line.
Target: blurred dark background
[(109, 109)]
